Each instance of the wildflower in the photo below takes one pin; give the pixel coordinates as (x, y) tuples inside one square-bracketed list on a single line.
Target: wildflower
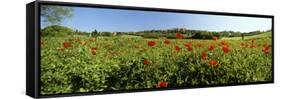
[(223, 42), (180, 36), (204, 55), (225, 49), (215, 38), (67, 44), (151, 43), (266, 49), (177, 48), (188, 44), (162, 84), (211, 47), (167, 42), (94, 50), (213, 63), (189, 48), (146, 62)]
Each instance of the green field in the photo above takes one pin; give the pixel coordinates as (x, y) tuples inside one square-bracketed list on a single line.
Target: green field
[(266, 35), (79, 63)]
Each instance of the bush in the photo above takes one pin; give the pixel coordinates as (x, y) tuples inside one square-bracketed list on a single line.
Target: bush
[(151, 35), (205, 35), (105, 34), (56, 30)]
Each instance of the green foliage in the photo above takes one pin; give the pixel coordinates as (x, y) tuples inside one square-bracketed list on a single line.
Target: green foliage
[(205, 35), (56, 30), (119, 63), (94, 33), (53, 15), (151, 35)]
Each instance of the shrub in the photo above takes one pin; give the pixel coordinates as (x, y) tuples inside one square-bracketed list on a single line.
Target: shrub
[(205, 35), (105, 34), (151, 35), (56, 30)]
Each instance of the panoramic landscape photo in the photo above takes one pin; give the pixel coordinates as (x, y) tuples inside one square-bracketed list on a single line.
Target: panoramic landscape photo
[(87, 49)]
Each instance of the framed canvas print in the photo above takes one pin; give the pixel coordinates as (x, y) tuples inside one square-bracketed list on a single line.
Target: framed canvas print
[(85, 49)]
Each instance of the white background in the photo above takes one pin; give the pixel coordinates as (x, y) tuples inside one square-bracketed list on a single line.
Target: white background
[(12, 50)]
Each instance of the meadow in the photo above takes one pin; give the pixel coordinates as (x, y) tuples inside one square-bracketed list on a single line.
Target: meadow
[(79, 63)]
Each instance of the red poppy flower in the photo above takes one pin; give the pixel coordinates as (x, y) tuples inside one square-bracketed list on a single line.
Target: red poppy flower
[(242, 44), (94, 50), (162, 84), (146, 62), (188, 44), (167, 41), (151, 43), (177, 48), (225, 49), (211, 47), (223, 42), (189, 48), (266, 49), (215, 38), (180, 36), (204, 55), (67, 44), (213, 63)]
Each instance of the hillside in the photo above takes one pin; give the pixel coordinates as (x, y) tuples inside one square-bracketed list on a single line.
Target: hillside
[(263, 35)]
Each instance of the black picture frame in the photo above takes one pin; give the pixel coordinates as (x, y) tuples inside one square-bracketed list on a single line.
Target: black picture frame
[(33, 48)]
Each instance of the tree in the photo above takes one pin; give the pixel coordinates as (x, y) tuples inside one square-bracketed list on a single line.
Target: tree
[(94, 33), (53, 15), (56, 30)]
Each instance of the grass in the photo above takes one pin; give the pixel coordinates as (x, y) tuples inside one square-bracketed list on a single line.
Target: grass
[(128, 62), (261, 36)]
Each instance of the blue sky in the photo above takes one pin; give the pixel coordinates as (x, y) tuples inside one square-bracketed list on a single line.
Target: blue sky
[(115, 20)]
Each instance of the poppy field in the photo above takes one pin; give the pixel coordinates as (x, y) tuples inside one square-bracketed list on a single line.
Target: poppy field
[(79, 63)]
